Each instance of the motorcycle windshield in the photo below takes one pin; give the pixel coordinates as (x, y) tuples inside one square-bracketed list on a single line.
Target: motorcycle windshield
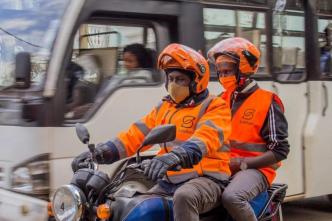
[(28, 26)]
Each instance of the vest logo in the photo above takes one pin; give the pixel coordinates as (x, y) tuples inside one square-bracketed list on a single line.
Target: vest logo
[(248, 114), (188, 121)]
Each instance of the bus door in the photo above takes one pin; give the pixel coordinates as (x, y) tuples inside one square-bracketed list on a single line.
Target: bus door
[(288, 43), (318, 151), (280, 38)]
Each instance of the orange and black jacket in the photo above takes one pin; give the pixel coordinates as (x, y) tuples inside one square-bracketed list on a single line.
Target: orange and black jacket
[(258, 125), (202, 131)]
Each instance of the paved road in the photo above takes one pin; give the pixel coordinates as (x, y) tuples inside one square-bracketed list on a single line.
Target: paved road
[(315, 209)]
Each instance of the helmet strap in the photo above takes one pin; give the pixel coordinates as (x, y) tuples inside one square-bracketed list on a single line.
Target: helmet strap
[(238, 75), (243, 81), (192, 88)]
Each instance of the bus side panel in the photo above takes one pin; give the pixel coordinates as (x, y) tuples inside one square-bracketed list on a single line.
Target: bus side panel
[(15, 206), (20, 144), (295, 102), (318, 139), (120, 110), (23, 146)]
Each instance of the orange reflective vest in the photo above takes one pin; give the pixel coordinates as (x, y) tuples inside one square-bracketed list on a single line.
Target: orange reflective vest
[(247, 122), (208, 124)]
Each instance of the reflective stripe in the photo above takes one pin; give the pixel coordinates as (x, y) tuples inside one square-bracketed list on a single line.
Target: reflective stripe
[(200, 144), (254, 147), (158, 107), (121, 148), (179, 178), (204, 106), (172, 143), (217, 175), (224, 148), (142, 127), (219, 130)]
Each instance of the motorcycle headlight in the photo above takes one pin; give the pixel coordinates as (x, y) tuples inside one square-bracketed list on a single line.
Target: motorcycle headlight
[(68, 203), (32, 176)]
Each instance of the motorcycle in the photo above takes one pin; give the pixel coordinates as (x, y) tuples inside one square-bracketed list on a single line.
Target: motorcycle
[(93, 195)]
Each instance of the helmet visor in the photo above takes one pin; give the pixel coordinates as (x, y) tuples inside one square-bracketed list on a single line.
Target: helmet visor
[(167, 62)]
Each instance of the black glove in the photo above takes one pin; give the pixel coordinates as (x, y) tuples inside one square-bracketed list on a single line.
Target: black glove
[(81, 161), (157, 167), (85, 159)]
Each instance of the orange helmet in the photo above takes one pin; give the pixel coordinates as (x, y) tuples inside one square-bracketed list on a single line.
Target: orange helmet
[(182, 57), (240, 49)]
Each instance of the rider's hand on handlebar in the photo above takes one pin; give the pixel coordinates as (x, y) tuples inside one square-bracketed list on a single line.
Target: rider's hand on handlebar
[(84, 160), (157, 167), (81, 161)]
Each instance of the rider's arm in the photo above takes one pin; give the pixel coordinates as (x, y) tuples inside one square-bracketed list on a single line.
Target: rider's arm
[(212, 132), (275, 133)]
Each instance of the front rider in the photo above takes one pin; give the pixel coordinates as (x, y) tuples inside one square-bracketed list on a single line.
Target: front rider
[(203, 125), (259, 127)]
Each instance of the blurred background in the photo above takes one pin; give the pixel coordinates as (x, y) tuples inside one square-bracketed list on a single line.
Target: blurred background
[(94, 62)]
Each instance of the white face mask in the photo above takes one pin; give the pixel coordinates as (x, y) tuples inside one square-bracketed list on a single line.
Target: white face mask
[(177, 92)]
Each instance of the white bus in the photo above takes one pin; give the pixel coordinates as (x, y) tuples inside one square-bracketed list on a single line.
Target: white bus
[(48, 48)]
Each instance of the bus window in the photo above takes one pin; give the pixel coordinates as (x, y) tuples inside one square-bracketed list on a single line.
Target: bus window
[(289, 45), (324, 7), (23, 28), (104, 57), (325, 45), (220, 24)]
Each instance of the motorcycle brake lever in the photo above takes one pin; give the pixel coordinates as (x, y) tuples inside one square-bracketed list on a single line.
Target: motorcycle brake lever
[(136, 167), (91, 164), (139, 170), (133, 166)]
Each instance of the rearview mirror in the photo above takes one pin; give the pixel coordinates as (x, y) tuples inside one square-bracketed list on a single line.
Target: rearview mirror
[(22, 70), (160, 134), (82, 133)]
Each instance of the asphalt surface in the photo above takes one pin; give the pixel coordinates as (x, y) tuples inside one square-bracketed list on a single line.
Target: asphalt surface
[(314, 209)]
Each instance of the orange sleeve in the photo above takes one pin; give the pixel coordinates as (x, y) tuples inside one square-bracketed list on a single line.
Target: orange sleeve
[(129, 141), (214, 127)]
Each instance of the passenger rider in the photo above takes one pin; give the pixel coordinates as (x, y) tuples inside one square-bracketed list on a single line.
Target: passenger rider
[(259, 128), (203, 125)]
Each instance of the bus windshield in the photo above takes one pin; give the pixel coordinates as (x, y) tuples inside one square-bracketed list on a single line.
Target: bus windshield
[(29, 26)]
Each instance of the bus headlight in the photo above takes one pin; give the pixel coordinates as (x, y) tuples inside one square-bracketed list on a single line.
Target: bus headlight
[(68, 203), (32, 176)]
